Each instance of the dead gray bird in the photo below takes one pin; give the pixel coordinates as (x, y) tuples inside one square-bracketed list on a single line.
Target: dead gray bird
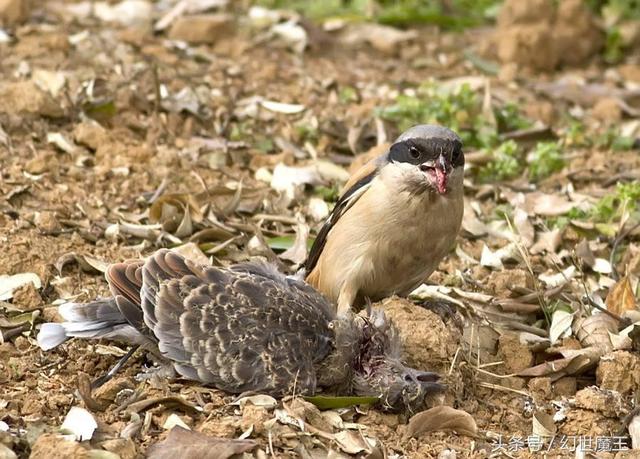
[(245, 328)]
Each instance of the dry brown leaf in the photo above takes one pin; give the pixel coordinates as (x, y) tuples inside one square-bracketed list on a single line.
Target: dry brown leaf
[(176, 212), (353, 442), (546, 205), (634, 432), (192, 252), (573, 362), (184, 443), (297, 253), (548, 241), (86, 262), (171, 401), (621, 297), (594, 331), (441, 418), (543, 425)]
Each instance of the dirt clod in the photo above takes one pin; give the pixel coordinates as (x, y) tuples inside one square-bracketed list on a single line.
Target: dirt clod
[(516, 356), (619, 371), (26, 98), (54, 446), (203, 28)]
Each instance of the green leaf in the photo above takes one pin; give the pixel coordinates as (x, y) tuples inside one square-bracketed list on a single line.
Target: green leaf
[(328, 402), (100, 110), (285, 242)]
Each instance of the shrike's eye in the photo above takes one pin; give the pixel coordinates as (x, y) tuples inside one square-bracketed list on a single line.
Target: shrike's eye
[(414, 153)]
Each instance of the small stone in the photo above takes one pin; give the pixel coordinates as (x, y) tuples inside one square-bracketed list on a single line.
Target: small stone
[(47, 222), (566, 386), (90, 134), (40, 163), (607, 110), (202, 28), (26, 98), (107, 392), (14, 11)]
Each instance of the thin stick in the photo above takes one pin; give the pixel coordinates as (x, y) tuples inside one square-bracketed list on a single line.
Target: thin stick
[(111, 373), (503, 388)]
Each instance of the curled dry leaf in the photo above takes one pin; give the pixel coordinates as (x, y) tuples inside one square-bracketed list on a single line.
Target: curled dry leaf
[(176, 212), (546, 205), (634, 432), (494, 259), (441, 418), (263, 400), (298, 252), (174, 420), (169, 402), (548, 241), (573, 363), (184, 443), (192, 252), (353, 442), (87, 263), (560, 325), (524, 227), (554, 280), (281, 107), (621, 297), (594, 331), (543, 425)]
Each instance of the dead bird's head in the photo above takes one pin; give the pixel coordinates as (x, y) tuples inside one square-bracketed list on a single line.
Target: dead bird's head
[(380, 372)]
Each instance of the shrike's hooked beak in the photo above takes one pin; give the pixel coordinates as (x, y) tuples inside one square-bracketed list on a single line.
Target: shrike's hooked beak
[(437, 172)]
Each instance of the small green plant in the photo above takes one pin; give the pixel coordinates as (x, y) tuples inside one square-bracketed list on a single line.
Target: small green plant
[(575, 134), (506, 163), (433, 104), (347, 94), (612, 138), (545, 159), (509, 118), (305, 132), (613, 46), (459, 109), (328, 194), (608, 209), (611, 206), (454, 14)]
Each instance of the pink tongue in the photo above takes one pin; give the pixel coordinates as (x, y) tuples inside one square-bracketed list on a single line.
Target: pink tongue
[(441, 181)]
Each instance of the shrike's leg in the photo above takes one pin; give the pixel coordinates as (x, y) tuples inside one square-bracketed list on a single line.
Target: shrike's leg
[(346, 298)]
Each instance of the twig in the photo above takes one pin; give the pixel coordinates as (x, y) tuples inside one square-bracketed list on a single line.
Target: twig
[(619, 238), (503, 388), (453, 362)]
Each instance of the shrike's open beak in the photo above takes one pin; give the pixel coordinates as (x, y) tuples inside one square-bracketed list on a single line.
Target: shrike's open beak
[(438, 172)]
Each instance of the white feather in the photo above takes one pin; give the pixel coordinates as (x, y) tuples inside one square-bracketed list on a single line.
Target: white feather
[(51, 335)]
